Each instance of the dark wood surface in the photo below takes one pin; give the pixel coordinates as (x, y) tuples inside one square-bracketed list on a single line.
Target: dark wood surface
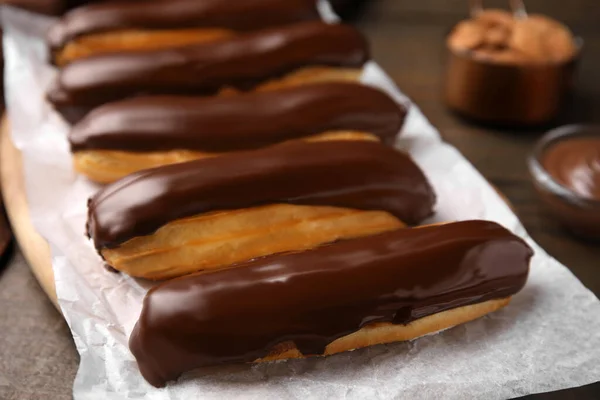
[(38, 359)]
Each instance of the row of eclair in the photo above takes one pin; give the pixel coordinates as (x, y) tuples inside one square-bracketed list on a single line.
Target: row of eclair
[(247, 166)]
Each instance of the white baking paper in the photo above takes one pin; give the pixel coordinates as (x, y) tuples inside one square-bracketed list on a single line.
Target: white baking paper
[(547, 339)]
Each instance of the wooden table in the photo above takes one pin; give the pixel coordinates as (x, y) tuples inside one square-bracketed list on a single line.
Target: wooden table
[(37, 356)]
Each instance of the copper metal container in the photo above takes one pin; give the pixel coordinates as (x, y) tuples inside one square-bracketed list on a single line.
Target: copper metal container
[(507, 94)]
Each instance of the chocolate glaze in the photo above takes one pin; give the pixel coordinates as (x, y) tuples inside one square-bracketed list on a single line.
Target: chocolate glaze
[(241, 63), (575, 164), (315, 297), (165, 14), (573, 193), (247, 121), (352, 174)]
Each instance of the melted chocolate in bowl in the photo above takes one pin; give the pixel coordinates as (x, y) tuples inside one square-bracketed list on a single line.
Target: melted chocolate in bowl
[(575, 164), (565, 168)]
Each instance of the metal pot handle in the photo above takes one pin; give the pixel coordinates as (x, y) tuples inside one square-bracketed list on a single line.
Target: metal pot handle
[(517, 7)]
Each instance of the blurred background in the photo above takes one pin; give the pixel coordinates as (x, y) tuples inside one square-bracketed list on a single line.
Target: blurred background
[(408, 40)]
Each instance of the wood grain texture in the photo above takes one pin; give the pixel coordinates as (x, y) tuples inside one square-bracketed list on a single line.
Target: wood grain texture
[(33, 246)]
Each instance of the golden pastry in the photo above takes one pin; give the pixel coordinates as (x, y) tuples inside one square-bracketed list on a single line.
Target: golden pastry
[(118, 26), (133, 40), (211, 213)]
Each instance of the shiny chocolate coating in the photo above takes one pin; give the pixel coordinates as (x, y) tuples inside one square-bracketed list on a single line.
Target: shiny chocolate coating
[(315, 297), (569, 181), (575, 164), (350, 174), (241, 63), (238, 15), (248, 121)]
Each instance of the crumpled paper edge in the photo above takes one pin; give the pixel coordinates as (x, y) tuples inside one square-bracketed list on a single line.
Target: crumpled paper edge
[(418, 142)]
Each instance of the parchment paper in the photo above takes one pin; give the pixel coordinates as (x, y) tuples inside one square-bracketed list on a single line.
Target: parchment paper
[(547, 339)]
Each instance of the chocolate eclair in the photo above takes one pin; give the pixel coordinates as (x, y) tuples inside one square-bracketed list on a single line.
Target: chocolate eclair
[(123, 137), (130, 26), (390, 287), (215, 212), (266, 60)]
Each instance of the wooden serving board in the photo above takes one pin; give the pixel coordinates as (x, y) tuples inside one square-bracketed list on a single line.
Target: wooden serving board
[(33, 246)]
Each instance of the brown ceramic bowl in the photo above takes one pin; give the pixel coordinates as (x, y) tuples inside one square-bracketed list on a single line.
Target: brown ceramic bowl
[(580, 215), (507, 94)]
